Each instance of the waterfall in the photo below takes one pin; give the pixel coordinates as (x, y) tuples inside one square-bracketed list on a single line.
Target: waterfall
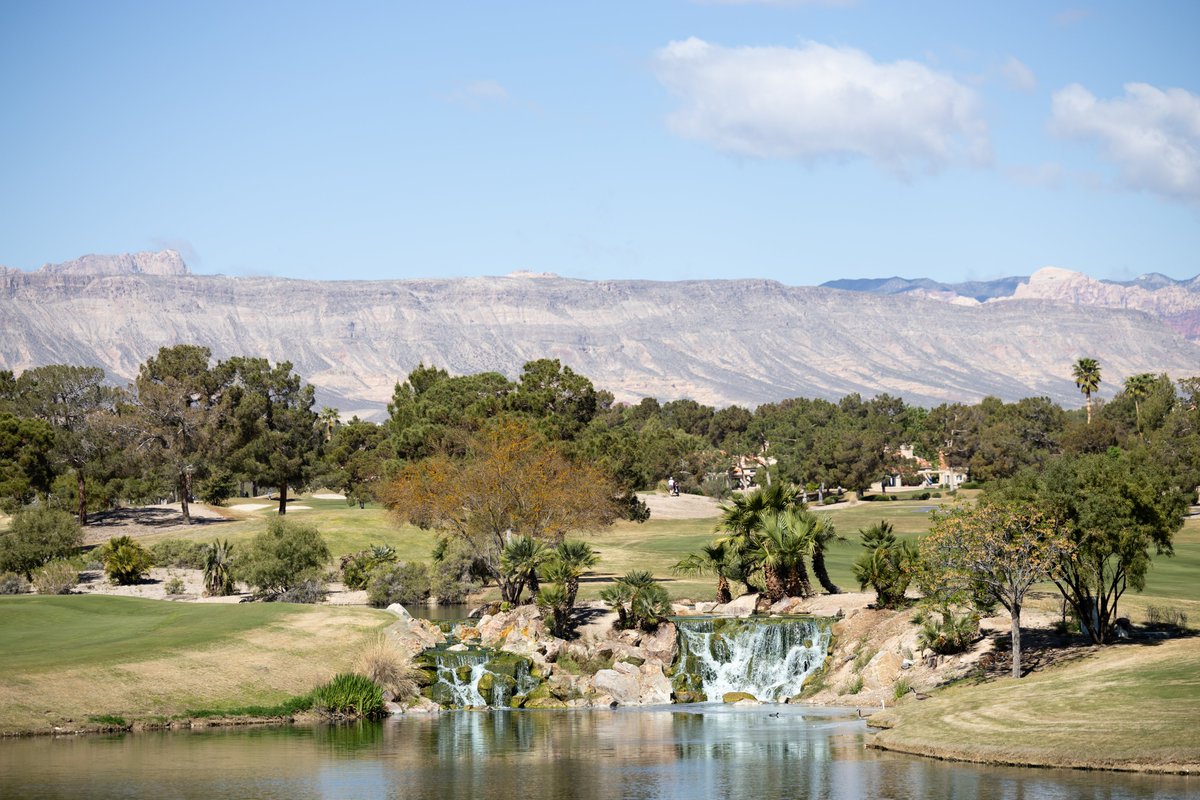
[(476, 677), (769, 658)]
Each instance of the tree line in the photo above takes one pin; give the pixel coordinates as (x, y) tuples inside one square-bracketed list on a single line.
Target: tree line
[(189, 426)]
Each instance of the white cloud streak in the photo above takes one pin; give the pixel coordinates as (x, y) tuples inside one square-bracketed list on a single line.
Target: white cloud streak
[(1151, 135), (1018, 75), (816, 102)]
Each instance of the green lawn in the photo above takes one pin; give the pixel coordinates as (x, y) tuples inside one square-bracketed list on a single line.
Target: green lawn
[(53, 631), (69, 659), (1132, 705)]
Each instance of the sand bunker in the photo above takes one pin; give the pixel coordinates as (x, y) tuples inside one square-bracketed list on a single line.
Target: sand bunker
[(249, 506)]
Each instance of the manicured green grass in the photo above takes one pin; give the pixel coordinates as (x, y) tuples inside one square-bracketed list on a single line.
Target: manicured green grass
[(69, 661), (1132, 705), (64, 630), (346, 529)]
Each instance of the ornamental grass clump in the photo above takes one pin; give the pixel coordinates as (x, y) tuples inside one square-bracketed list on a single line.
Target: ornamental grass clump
[(57, 577), (349, 694), (383, 663)]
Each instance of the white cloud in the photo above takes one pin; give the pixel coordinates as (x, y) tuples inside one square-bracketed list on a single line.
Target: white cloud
[(816, 101), (1151, 135), (477, 94), (1072, 16), (1018, 75)]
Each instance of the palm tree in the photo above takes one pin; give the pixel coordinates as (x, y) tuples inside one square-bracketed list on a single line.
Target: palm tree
[(329, 419), (887, 564), (638, 599), (567, 564), (1138, 387), (520, 560), (1087, 378), (713, 559), (785, 542), (823, 533)]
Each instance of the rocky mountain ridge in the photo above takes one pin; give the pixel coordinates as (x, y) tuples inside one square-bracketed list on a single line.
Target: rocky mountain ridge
[(1175, 302), (719, 342)]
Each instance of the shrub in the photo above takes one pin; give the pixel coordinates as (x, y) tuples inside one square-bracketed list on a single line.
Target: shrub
[(309, 591), (12, 583), (828, 501), (901, 688), (356, 568), (1166, 617), (218, 568), (57, 577), (125, 561), (174, 586), (285, 555), (404, 583), (178, 553), (383, 663), (348, 693), (945, 633), (37, 537), (854, 686), (447, 586)]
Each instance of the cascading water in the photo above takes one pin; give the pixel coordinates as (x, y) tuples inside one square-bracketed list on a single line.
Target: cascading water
[(769, 658), (476, 677)]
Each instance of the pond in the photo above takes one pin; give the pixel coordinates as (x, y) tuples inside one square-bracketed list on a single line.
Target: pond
[(667, 752), (450, 612)]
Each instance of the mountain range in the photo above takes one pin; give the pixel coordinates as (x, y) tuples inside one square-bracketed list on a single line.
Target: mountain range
[(716, 341)]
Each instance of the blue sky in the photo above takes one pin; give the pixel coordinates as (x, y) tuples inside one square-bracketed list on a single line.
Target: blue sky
[(799, 141)]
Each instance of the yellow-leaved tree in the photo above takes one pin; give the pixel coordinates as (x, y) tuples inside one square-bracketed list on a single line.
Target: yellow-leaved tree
[(512, 482), (1001, 548)]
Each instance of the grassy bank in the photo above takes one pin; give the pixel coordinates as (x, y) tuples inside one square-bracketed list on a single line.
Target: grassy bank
[(76, 661), (1126, 707)]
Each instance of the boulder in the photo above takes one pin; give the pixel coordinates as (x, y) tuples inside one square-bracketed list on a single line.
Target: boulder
[(399, 611), (705, 608), (620, 686), (738, 697), (882, 670), (788, 605), (740, 607), (654, 687), (661, 644)]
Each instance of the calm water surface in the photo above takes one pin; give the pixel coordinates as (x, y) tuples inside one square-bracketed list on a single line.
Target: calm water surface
[(538, 755)]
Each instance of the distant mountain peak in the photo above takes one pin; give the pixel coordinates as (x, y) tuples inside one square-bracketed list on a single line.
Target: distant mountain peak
[(164, 263)]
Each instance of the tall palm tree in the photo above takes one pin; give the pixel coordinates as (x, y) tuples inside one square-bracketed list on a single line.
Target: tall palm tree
[(713, 559), (1138, 387), (822, 534), (1087, 378)]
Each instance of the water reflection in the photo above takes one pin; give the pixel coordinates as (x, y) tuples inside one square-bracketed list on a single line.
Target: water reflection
[(663, 753)]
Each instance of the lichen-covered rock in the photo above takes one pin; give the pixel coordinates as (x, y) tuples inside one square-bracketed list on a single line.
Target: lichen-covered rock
[(739, 697)]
